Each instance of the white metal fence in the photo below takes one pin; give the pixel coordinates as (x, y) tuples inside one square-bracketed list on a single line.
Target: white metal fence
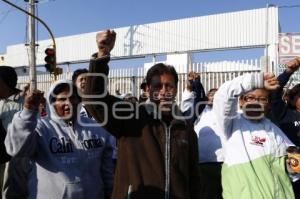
[(128, 80)]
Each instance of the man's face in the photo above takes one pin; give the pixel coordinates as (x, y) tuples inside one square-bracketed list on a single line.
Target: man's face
[(80, 82), (65, 105), (210, 97), (4, 88), (255, 104), (297, 104), (163, 90)]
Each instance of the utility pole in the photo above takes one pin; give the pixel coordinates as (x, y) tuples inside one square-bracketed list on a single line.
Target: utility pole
[(32, 17), (31, 39), (267, 39)]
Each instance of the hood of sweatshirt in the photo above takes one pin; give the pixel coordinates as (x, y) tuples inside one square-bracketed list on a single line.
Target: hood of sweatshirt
[(50, 95)]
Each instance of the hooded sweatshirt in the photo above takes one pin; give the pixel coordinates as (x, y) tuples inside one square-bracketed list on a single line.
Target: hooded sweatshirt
[(254, 165), (70, 160)]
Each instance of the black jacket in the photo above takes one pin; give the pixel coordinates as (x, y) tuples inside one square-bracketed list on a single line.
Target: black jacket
[(287, 119), (4, 157)]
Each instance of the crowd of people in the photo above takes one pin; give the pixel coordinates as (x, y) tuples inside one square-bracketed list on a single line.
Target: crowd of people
[(82, 142)]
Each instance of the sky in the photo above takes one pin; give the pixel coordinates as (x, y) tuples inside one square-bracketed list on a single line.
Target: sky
[(69, 17)]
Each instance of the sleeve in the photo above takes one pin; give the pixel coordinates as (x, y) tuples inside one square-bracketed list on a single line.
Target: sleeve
[(225, 103), (195, 180), (97, 100), (193, 102), (187, 102), (200, 97), (278, 106), (21, 139), (107, 167)]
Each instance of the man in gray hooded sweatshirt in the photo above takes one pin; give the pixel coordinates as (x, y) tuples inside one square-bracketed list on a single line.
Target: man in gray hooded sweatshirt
[(71, 154)]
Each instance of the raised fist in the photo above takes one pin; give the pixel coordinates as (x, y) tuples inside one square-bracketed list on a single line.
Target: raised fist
[(193, 75), (293, 65), (105, 42), (270, 81), (33, 100)]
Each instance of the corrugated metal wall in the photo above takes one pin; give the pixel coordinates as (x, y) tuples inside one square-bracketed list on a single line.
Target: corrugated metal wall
[(220, 31)]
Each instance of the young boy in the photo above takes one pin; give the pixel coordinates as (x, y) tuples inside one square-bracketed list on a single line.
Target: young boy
[(255, 148)]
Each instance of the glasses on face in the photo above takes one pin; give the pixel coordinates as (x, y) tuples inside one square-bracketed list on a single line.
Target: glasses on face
[(257, 99)]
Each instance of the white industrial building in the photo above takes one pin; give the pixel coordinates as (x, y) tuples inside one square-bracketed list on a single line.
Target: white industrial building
[(235, 30), (177, 39)]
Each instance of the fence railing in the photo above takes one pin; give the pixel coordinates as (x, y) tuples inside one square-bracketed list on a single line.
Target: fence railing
[(128, 80)]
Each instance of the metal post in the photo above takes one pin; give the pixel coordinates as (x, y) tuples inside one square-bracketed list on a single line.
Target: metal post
[(266, 69), (154, 59), (41, 21), (31, 35)]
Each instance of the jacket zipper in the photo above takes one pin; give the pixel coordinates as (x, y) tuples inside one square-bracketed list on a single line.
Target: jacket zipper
[(167, 160)]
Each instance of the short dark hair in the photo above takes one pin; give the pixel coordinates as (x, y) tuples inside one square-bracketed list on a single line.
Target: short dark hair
[(9, 76), (60, 88), (293, 95), (212, 90), (143, 84), (78, 72), (160, 69)]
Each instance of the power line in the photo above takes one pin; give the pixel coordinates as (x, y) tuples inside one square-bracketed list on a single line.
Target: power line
[(289, 6), (5, 13), (45, 1)]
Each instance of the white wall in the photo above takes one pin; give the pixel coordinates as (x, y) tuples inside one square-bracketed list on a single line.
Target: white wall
[(219, 31), (2, 59)]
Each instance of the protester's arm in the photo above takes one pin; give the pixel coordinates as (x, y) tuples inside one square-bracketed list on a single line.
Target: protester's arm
[(97, 99), (21, 139), (187, 103), (200, 97), (99, 64), (188, 96), (278, 106), (193, 97), (225, 103)]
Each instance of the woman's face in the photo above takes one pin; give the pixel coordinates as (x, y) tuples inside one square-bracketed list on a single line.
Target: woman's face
[(66, 104), (297, 104)]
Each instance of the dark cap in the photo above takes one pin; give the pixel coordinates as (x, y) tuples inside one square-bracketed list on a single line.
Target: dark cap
[(9, 76), (143, 84)]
